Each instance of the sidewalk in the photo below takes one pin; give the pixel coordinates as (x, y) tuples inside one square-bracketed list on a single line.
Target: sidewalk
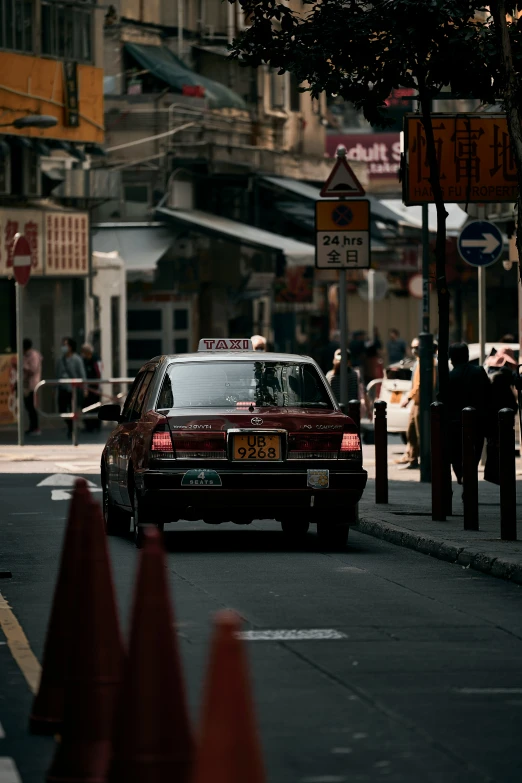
[(406, 521), (83, 459)]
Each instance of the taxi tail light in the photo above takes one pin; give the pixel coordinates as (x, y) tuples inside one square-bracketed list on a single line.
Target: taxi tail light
[(200, 446), (313, 446), (162, 444), (350, 446)]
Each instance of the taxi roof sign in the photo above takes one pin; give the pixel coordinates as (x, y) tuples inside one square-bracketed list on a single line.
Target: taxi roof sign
[(225, 344)]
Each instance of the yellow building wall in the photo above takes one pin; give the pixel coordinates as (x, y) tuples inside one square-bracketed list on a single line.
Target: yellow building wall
[(35, 85)]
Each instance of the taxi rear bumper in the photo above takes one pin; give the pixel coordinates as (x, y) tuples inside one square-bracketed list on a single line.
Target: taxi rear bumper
[(263, 494)]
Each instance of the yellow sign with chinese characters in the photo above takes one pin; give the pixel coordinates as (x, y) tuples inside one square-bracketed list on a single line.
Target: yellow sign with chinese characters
[(8, 398), (474, 154)]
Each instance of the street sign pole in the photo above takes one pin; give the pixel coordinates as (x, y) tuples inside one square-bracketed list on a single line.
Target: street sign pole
[(482, 313), (22, 261), (342, 231), (371, 303), (481, 215), (343, 339), (20, 360), (425, 357)]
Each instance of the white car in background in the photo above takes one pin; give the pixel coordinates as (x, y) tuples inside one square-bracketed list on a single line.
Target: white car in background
[(397, 382)]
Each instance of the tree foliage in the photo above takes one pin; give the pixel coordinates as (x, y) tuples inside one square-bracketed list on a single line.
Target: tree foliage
[(362, 51)]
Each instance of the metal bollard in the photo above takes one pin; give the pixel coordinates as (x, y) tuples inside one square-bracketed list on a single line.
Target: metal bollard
[(354, 412), (381, 452), (507, 473), (438, 499), (470, 469)]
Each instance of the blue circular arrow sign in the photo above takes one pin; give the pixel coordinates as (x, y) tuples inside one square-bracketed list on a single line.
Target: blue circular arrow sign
[(480, 243)]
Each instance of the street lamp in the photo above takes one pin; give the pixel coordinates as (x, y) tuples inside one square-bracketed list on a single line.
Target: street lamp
[(41, 121)]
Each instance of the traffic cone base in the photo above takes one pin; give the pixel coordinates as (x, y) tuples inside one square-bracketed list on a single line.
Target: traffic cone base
[(152, 735), (229, 750), (95, 665), (47, 710)]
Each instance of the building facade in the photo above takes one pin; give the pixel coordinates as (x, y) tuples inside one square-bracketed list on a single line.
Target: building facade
[(51, 56)]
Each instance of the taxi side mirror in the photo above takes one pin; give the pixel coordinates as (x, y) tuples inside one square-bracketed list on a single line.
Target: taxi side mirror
[(109, 413)]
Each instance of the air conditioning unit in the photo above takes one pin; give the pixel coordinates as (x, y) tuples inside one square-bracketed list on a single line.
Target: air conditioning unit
[(31, 173)]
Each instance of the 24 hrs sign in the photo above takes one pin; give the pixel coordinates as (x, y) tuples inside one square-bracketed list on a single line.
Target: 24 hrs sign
[(342, 234)]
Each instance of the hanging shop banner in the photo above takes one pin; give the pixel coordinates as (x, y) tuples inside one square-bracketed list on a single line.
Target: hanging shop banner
[(21, 221), (59, 241), (474, 155), (67, 243)]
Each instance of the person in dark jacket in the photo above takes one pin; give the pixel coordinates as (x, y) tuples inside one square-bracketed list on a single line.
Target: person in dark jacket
[(69, 365), (92, 364), (469, 387)]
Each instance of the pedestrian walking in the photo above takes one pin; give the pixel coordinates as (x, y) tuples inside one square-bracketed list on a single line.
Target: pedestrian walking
[(356, 387), (358, 347), (410, 460), (92, 364), (469, 387), (69, 365), (32, 369), (395, 347)]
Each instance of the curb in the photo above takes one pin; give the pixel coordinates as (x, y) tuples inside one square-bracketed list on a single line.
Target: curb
[(500, 567)]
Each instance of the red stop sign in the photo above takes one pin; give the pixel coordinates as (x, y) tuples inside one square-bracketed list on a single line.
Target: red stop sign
[(21, 260)]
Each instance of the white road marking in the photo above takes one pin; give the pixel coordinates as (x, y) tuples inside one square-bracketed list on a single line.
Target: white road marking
[(61, 480), (66, 494), (8, 771), (308, 634), (488, 691), (79, 467), (2, 732)]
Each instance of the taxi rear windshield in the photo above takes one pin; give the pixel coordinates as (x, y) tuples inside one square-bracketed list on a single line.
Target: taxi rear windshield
[(243, 383)]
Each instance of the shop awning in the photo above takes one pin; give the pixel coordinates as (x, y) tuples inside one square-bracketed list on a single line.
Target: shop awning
[(141, 245), (165, 66), (413, 215), (378, 210), (296, 253)]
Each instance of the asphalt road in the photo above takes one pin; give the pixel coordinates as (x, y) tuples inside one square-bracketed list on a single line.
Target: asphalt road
[(424, 683)]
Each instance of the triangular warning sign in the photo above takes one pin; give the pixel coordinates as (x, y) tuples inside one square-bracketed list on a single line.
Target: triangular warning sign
[(342, 181)]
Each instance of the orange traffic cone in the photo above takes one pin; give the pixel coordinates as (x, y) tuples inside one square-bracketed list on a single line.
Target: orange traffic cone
[(95, 666), (152, 737), (229, 750), (47, 710)]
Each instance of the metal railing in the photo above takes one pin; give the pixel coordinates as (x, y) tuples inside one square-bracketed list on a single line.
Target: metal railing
[(77, 413)]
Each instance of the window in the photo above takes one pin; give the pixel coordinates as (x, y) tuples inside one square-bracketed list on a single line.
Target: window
[(223, 384), (136, 193), (131, 397), (143, 349), (180, 320), (140, 399), (16, 24), (67, 31), (144, 320), (181, 345), (295, 95)]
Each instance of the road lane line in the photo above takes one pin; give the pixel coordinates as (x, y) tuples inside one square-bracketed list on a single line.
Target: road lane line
[(2, 732), (9, 771), (292, 635), (488, 691), (20, 648)]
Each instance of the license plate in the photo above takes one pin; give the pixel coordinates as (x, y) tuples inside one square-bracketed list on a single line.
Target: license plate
[(257, 447), (396, 396)]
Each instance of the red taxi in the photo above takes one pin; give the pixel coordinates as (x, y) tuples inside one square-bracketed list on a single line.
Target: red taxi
[(231, 434)]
